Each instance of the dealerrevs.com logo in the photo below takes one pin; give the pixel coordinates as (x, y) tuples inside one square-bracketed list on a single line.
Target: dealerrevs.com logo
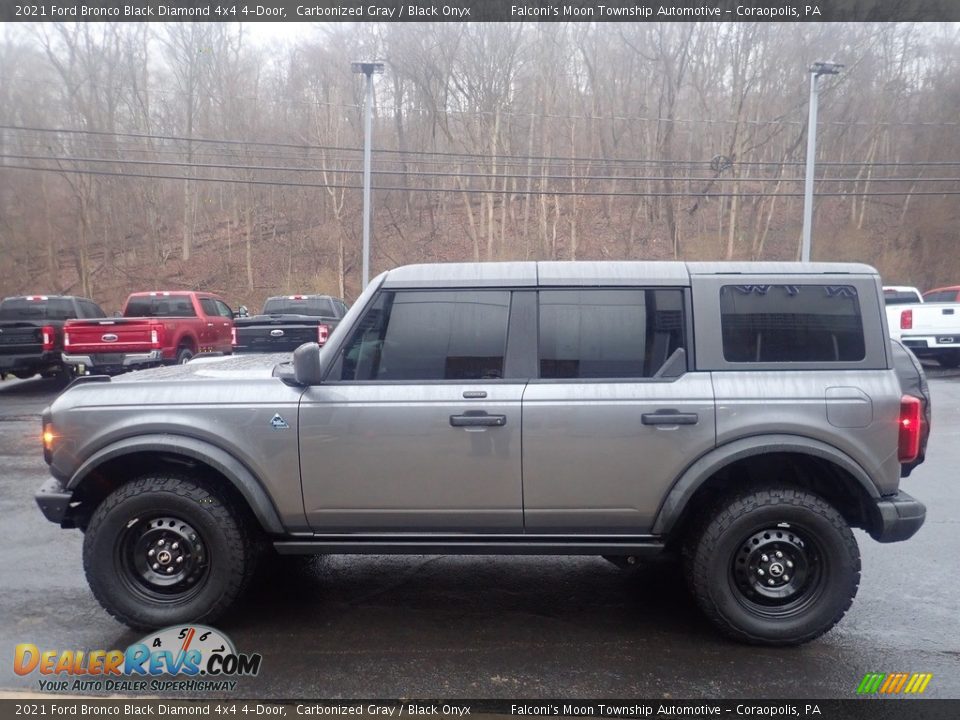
[(188, 658)]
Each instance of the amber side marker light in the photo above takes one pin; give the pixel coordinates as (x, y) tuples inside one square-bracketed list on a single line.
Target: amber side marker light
[(49, 436)]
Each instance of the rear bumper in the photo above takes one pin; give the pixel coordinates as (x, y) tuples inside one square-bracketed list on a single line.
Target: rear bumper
[(31, 361), (900, 518), (53, 500), (119, 360), (931, 343)]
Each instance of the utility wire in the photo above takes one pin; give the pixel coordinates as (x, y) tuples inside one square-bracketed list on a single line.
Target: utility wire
[(589, 178), (280, 183), (483, 156)]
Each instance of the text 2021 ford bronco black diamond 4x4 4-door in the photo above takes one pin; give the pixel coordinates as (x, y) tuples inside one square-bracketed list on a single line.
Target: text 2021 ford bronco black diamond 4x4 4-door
[(744, 415)]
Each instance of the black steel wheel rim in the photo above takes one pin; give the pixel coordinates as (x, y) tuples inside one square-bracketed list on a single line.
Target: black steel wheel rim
[(162, 558), (778, 571)]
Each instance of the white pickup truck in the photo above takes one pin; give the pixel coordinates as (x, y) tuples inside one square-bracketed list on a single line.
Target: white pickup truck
[(931, 328), (893, 297)]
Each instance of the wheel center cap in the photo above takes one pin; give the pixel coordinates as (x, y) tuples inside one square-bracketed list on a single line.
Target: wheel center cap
[(776, 569), (164, 557)]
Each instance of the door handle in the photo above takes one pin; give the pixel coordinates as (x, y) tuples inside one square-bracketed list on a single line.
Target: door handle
[(669, 417), (478, 419)]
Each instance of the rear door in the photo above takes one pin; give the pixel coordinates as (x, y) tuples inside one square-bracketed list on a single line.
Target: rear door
[(418, 427), (615, 415)]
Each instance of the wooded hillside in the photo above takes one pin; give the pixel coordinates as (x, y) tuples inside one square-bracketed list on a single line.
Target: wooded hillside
[(196, 155)]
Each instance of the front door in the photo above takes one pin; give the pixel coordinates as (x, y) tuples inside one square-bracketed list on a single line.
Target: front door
[(615, 415), (417, 429)]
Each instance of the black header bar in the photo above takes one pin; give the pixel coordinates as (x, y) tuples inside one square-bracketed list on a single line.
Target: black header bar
[(481, 10)]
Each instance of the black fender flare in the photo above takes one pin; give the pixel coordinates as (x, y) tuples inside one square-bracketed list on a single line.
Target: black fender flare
[(707, 465), (219, 459)]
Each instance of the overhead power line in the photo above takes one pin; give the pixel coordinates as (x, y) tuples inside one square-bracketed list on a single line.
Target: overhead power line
[(485, 176), (398, 188), (483, 156)]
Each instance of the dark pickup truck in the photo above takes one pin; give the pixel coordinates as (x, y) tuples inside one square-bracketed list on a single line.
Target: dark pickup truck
[(287, 322), (31, 332)]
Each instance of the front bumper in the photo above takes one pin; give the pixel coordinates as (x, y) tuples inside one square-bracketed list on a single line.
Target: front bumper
[(53, 500), (900, 518), (115, 360)]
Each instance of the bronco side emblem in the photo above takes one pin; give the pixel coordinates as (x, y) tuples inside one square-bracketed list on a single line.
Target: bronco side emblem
[(279, 423)]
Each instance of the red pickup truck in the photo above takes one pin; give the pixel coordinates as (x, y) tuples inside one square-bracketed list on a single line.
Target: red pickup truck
[(155, 328)]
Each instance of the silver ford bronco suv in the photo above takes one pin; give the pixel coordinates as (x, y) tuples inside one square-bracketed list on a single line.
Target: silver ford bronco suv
[(745, 416)]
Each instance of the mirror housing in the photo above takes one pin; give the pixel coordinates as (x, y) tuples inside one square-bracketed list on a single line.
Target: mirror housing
[(306, 364)]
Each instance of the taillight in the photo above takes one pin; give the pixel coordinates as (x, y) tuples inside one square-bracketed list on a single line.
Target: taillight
[(908, 443), (66, 339), (906, 319), (156, 336), (233, 336), (48, 335), (323, 332)]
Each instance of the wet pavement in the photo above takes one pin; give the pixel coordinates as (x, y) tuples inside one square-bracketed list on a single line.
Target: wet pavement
[(510, 627)]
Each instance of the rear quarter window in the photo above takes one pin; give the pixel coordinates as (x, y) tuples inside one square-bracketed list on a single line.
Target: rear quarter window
[(791, 323)]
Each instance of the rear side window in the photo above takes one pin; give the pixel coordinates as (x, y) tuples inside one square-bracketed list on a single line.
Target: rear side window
[(608, 333), (160, 306), (791, 323), (26, 308), (427, 335)]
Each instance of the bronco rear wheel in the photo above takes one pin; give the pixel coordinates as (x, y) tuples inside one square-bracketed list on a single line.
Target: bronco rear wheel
[(774, 566), (163, 550)]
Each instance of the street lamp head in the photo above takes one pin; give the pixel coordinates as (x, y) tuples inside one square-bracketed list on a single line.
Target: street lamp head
[(367, 68), (826, 68)]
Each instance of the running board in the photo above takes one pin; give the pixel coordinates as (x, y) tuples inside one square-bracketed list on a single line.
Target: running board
[(356, 544)]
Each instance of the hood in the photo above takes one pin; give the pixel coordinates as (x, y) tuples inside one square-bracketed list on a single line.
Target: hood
[(229, 367)]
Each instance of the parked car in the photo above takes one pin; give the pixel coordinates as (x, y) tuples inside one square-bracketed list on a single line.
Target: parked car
[(31, 332), (287, 322), (155, 328), (750, 442)]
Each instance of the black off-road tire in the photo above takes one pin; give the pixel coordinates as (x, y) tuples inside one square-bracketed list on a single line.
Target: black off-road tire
[(164, 508), (724, 557), (184, 355)]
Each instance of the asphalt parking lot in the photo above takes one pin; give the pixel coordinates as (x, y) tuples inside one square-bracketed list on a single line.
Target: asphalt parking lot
[(475, 627)]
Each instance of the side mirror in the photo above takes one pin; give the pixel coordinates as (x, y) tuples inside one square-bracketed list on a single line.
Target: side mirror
[(306, 364)]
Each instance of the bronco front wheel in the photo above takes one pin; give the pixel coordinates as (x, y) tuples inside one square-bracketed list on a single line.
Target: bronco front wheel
[(774, 566), (163, 550)]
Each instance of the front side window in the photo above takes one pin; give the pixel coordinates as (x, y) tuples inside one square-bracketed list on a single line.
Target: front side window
[(223, 309), (791, 323), (608, 333), (430, 335)]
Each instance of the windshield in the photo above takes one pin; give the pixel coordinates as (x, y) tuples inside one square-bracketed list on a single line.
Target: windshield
[(39, 309), (315, 306)]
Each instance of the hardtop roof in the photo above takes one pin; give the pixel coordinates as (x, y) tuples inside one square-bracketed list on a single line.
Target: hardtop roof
[(593, 273)]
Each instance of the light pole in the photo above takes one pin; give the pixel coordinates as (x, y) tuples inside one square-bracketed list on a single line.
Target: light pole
[(816, 70), (368, 69)]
